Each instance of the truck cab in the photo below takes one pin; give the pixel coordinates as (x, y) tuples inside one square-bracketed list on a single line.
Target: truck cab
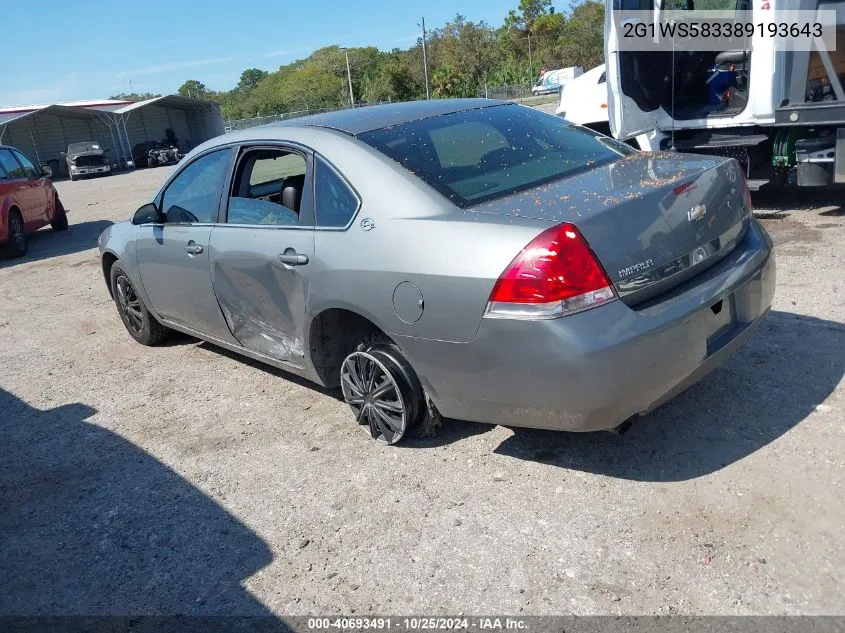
[(773, 110)]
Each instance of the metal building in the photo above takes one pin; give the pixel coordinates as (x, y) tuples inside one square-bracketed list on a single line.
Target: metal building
[(44, 132)]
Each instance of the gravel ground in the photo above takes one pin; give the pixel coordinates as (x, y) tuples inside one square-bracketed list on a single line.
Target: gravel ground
[(183, 479)]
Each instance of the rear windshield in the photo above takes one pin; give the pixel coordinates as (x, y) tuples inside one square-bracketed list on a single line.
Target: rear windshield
[(488, 153), (83, 147)]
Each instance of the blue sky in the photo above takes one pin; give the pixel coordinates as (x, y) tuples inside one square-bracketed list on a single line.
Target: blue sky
[(87, 49)]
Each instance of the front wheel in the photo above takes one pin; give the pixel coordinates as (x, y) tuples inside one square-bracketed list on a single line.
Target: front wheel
[(141, 325), (382, 390)]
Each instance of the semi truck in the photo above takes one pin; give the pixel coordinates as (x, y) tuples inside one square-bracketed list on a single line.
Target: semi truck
[(780, 112)]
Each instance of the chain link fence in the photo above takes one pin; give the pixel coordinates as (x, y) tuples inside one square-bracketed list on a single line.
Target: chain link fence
[(521, 93), (242, 124)]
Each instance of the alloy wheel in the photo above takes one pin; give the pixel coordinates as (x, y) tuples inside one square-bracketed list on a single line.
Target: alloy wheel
[(130, 304), (374, 395), (17, 231)]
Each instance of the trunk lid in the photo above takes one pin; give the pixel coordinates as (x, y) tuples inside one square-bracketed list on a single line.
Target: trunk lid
[(653, 220)]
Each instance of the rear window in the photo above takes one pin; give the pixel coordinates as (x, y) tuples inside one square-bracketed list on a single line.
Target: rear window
[(488, 153)]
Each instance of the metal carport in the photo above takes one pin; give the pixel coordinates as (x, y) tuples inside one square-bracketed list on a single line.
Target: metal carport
[(44, 133)]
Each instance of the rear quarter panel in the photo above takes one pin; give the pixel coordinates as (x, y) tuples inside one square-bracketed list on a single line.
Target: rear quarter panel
[(452, 256)]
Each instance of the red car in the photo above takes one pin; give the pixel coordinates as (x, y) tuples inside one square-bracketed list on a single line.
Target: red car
[(28, 201)]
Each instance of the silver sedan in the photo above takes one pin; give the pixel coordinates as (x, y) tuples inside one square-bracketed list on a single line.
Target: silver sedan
[(472, 259)]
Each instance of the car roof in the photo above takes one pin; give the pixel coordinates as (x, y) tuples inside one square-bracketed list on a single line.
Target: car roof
[(356, 121)]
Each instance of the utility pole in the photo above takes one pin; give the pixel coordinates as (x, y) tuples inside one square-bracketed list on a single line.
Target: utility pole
[(530, 62), (349, 77), (425, 62), (131, 89)]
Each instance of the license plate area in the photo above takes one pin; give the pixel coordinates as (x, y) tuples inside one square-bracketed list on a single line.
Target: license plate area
[(721, 323)]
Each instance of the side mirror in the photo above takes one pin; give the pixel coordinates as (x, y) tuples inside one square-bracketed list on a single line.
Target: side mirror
[(148, 214), (46, 171)]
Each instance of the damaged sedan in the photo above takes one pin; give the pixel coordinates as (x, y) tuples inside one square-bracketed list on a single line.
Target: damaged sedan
[(473, 259)]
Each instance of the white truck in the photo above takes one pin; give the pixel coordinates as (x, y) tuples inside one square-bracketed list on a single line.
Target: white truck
[(584, 100), (780, 110)]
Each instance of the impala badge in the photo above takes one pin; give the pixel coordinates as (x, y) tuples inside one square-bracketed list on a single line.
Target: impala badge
[(367, 224), (697, 212)]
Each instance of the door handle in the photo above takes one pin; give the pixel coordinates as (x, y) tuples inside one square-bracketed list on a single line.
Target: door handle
[(193, 249), (292, 258)]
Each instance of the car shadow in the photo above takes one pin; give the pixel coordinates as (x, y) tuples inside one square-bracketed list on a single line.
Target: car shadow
[(93, 525), (791, 199), (270, 369), (772, 383), (47, 243)]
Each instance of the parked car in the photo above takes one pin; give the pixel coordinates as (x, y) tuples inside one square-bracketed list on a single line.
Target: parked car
[(87, 158), (28, 201), (470, 257)]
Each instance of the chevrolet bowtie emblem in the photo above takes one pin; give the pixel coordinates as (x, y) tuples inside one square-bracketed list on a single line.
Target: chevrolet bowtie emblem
[(697, 212)]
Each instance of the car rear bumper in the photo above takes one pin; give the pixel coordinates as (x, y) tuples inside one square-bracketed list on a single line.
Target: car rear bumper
[(593, 370)]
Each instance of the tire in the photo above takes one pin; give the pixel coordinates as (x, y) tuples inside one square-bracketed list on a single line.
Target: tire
[(382, 389), (59, 222), (73, 178), (141, 325), (18, 243)]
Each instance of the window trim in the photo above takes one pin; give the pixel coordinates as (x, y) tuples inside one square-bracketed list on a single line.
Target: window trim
[(290, 147), (9, 176), (349, 185), (159, 197)]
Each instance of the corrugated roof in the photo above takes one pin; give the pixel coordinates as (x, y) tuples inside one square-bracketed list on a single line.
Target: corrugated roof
[(71, 111), (90, 103), (167, 101)]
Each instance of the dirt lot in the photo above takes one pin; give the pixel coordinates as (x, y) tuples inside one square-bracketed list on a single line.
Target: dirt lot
[(181, 479)]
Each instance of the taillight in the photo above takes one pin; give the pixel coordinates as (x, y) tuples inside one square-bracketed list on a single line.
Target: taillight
[(556, 274), (746, 192)]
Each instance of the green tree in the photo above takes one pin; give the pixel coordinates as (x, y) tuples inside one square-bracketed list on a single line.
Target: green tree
[(582, 42), (250, 78), (135, 96), (193, 88)]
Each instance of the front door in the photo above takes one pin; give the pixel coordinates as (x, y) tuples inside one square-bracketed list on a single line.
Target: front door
[(173, 256), (261, 256)]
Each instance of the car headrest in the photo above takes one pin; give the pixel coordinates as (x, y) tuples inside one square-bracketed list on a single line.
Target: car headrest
[(292, 192)]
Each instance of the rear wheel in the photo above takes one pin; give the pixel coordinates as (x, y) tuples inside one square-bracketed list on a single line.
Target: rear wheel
[(141, 325), (382, 390), (59, 222), (18, 242)]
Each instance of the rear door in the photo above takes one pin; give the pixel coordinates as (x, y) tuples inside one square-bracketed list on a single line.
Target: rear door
[(262, 250), (173, 256)]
